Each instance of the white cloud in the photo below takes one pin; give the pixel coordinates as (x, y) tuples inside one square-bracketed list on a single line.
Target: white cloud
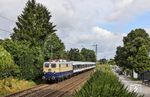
[(107, 41), (74, 20), (102, 32), (147, 30), (127, 9)]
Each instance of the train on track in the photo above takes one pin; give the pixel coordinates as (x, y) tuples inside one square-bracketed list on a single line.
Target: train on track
[(58, 70)]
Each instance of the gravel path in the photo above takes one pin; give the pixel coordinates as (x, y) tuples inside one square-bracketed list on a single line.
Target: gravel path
[(136, 86)]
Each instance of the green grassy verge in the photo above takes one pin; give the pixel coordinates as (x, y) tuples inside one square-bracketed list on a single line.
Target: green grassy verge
[(103, 83), (11, 85)]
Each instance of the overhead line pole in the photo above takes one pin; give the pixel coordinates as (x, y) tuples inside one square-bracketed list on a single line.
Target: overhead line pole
[(96, 50)]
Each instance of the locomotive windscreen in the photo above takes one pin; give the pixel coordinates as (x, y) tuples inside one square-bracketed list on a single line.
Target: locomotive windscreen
[(53, 65), (46, 64)]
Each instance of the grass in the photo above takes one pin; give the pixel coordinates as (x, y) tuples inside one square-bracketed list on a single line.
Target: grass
[(103, 83), (12, 85)]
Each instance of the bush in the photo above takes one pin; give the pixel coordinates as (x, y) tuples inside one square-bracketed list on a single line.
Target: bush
[(7, 67), (103, 83), (11, 85), (29, 59)]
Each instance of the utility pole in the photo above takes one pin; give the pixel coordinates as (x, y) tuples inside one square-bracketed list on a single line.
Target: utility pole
[(96, 50)]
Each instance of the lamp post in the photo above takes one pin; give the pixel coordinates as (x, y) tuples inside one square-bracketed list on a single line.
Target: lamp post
[(96, 51)]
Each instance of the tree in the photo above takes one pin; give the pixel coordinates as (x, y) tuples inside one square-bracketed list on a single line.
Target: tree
[(89, 55), (134, 54), (33, 24)]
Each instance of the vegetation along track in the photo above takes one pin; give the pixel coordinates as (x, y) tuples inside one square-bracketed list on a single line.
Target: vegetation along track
[(54, 90), (23, 93)]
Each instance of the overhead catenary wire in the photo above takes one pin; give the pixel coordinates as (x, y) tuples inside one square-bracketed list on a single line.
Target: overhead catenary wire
[(6, 18), (4, 30)]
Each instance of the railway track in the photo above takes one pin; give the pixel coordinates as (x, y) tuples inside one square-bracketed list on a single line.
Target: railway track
[(67, 87), (54, 90)]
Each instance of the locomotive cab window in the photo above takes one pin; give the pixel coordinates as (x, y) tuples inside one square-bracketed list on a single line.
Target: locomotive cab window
[(46, 64), (53, 65)]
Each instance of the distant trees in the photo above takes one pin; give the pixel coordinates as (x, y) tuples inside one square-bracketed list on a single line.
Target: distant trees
[(103, 61), (74, 55), (84, 55), (89, 55), (134, 54), (111, 62)]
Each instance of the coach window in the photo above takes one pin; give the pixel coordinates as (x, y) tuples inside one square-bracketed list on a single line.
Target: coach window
[(53, 65), (73, 67), (66, 65)]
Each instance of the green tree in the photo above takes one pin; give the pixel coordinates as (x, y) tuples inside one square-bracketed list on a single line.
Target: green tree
[(33, 24), (134, 54), (89, 55)]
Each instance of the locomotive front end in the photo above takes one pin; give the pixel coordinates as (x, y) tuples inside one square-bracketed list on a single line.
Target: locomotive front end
[(49, 70)]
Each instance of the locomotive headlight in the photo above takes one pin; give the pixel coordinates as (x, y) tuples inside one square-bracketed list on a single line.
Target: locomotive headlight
[(44, 72), (53, 77), (43, 77)]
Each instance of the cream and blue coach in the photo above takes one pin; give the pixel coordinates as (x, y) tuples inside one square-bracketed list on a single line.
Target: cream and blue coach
[(56, 70)]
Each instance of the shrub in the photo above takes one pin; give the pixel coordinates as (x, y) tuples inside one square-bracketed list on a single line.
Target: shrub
[(28, 58), (103, 83), (7, 67), (11, 85)]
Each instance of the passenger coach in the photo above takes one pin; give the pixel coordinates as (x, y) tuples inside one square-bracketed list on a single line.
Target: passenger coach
[(58, 70)]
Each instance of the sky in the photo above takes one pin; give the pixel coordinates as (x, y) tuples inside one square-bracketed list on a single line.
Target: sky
[(84, 23)]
